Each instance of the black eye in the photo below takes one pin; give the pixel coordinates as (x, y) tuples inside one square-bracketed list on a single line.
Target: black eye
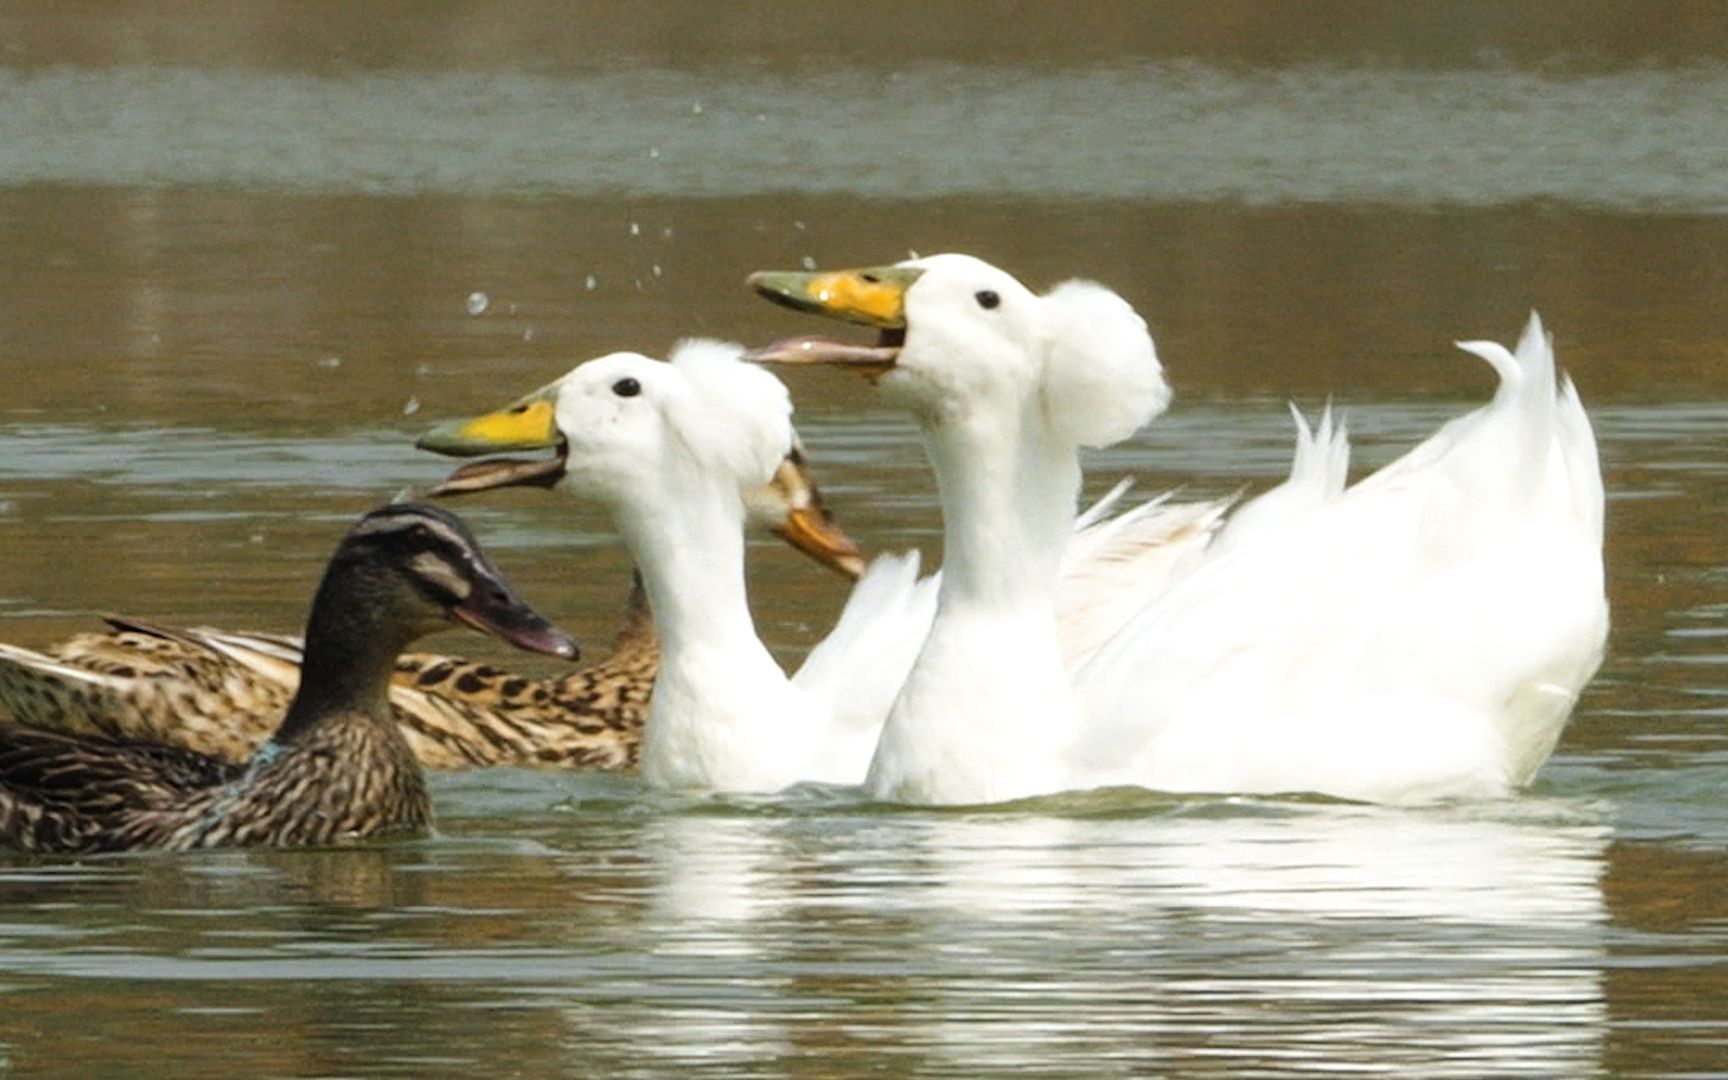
[(987, 299), (626, 388)]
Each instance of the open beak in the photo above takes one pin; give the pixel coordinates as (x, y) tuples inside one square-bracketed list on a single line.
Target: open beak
[(790, 506), (812, 530), (794, 506), (874, 297), (492, 607), (528, 424)]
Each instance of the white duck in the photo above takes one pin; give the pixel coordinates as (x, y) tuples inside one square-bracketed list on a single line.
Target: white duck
[(1420, 635), (670, 449)]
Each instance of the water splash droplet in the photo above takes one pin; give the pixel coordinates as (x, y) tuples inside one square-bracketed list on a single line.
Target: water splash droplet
[(808, 263), (330, 362), (592, 283), (411, 406), (528, 334), (656, 269), (635, 229), (478, 302)]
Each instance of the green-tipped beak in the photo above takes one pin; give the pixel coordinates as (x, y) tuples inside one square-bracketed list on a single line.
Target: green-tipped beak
[(529, 424), (875, 296)]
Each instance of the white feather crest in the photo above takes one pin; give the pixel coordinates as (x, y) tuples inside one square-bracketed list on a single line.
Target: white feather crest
[(1102, 380), (742, 414)]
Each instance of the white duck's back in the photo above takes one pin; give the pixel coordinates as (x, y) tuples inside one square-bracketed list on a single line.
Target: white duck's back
[(1423, 634)]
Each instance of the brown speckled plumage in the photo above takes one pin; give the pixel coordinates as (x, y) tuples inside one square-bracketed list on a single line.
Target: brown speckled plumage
[(336, 770), (457, 713), (148, 683), (222, 694), (68, 794)]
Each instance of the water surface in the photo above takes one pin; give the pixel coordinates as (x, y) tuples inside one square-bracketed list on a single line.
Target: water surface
[(246, 254)]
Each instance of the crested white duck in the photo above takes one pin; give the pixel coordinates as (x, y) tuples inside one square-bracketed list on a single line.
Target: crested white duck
[(1422, 634), (670, 448)]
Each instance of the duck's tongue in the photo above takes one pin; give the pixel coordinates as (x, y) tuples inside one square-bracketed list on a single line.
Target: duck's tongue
[(500, 472), (874, 359)]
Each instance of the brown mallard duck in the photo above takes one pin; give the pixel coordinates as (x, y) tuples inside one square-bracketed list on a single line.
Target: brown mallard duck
[(337, 768), (221, 693)]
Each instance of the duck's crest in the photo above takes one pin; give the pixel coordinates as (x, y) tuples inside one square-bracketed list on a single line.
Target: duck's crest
[(1102, 380), (742, 415)]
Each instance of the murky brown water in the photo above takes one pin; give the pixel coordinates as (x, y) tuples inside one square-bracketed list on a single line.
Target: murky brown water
[(237, 249)]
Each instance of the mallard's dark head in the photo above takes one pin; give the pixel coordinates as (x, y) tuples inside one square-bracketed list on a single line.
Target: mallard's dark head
[(418, 567)]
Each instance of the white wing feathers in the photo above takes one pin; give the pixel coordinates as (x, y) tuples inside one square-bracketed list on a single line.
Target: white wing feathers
[(863, 661), (1114, 567)]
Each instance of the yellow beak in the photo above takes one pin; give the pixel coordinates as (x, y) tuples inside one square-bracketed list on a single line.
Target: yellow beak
[(875, 296), (529, 424)]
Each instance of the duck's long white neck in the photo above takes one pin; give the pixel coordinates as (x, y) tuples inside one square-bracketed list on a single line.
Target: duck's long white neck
[(691, 554), (1008, 498), (723, 715), (987, 710)]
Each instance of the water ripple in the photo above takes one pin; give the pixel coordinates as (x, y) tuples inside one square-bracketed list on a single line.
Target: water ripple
[(1640, 139)]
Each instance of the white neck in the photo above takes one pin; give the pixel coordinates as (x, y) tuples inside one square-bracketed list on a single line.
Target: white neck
[(1007, 510), (690, 549), (720, 703), (987, 709)]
